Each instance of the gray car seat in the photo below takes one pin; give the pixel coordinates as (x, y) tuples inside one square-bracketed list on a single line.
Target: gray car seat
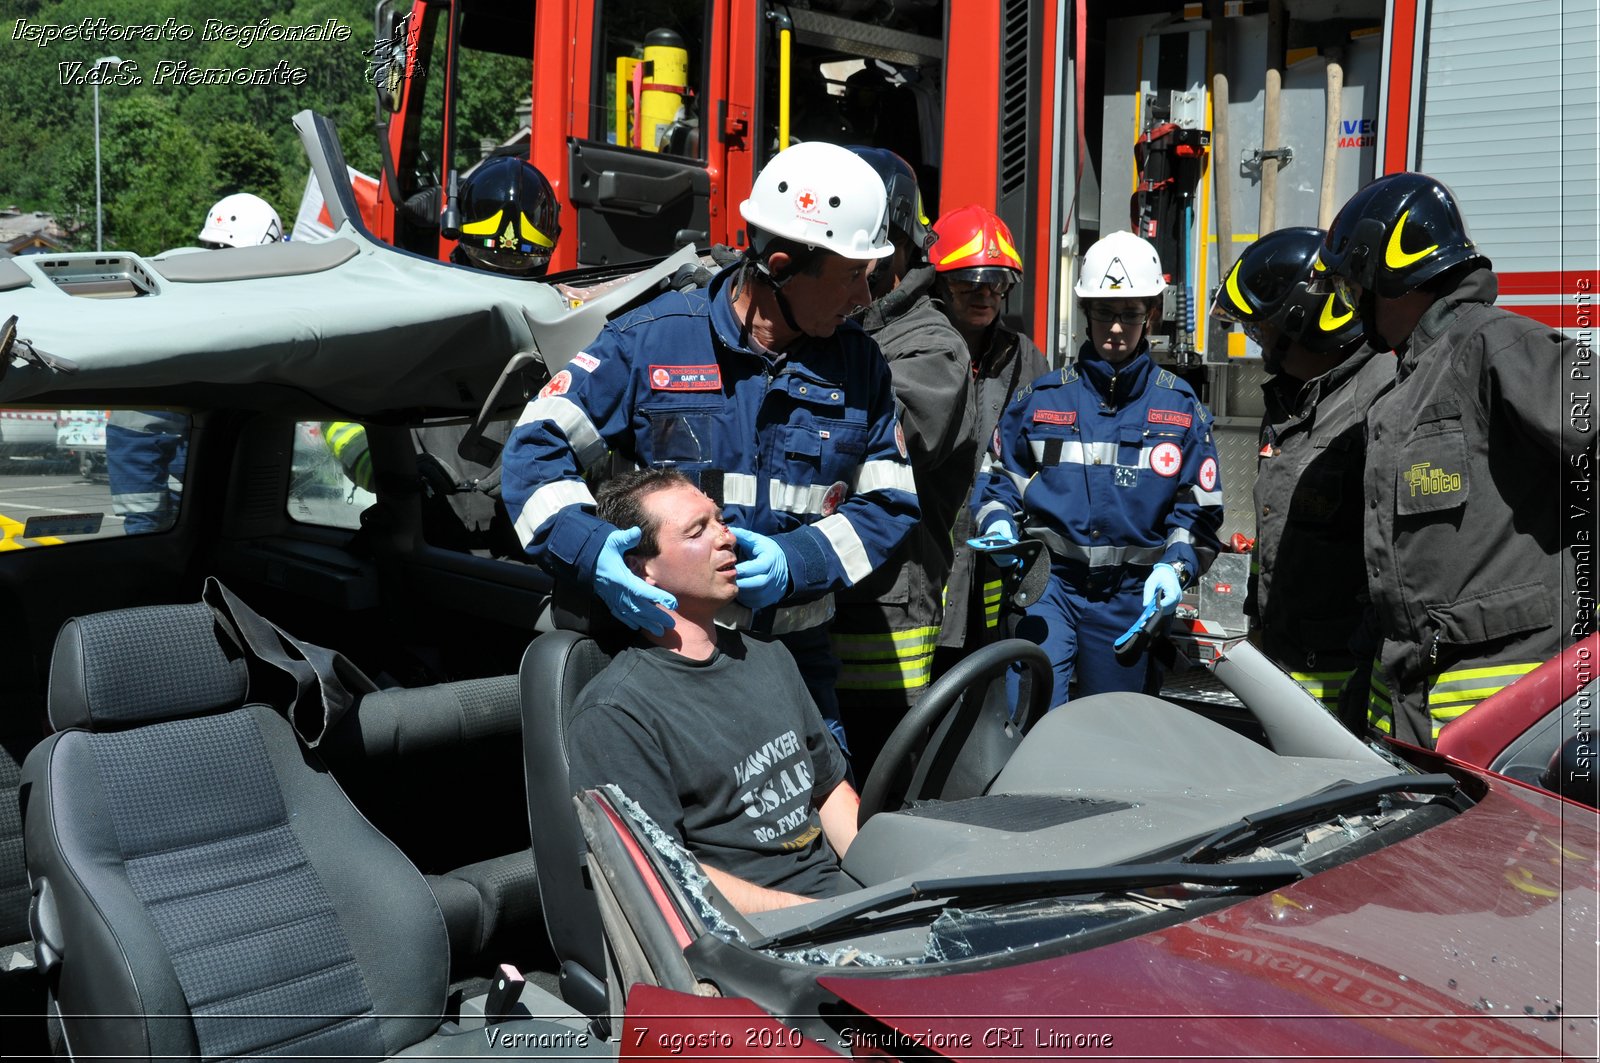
[(201, 887), (438, 770), (555, 669)]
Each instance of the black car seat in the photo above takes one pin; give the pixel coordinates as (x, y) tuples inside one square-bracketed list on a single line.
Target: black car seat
[(201, 886), (21, 990), (438, 769), (555, 669)]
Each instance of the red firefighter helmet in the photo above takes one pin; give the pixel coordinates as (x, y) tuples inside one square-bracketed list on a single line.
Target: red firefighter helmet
[(974, 245)]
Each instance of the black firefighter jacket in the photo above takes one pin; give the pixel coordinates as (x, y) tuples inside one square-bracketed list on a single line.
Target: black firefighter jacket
[(1012, 361), (1309, 592), (932, 382), (1472, 461)]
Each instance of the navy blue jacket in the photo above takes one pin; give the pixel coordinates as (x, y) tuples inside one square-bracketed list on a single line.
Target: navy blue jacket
[(805, 447), (1107, 467)]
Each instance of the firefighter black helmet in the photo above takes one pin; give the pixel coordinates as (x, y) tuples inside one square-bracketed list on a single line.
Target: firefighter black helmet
[(906, 219), (1396, 234), (509, 217), (1268, 291)]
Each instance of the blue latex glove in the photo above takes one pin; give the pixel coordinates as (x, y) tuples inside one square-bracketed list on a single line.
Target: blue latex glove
[(763, 578), (630, 599), (1001, 533), (1163, 588)]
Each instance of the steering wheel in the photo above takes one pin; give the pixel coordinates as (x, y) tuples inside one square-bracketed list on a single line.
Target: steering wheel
[(935, 713)]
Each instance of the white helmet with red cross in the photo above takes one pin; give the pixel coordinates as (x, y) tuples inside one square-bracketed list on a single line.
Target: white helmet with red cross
[(822, 196)]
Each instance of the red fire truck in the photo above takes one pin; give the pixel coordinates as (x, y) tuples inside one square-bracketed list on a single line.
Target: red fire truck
[(1199, 124)]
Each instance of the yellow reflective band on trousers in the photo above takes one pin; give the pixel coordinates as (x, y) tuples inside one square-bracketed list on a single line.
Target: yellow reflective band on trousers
[(993, 592), (1324, 686), (898, 660), (1450, 694), (348, 441)]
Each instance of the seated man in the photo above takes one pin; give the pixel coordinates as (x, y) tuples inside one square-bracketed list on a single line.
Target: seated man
[(712, 733)]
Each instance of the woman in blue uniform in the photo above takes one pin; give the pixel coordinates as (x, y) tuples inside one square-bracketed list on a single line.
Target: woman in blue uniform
[(1110, 463)]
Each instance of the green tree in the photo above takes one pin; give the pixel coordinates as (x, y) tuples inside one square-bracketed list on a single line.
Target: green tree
[(244, 159), (157, 178)]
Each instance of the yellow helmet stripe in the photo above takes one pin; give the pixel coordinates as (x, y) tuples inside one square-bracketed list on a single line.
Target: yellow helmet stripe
[(487, 227), (531, 234), (1008, 250), (1397, 257), (971, 247), (1328, 322), (1232, 288)]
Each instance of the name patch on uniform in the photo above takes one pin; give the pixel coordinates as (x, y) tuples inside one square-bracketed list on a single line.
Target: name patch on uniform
[(587, 362), (686, 377), (1183, 420), (1055, 416)]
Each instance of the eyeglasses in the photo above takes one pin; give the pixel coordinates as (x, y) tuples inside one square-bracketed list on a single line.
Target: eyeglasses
[(1105, 315)]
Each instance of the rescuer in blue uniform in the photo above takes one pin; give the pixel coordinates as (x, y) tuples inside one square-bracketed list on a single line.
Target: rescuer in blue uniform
[(1109, 462), (763, 391)]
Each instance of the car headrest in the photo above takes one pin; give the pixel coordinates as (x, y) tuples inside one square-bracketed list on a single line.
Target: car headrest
[(132, 666)]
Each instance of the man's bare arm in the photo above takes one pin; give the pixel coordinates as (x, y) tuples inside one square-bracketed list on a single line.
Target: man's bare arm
[(749, 898), (838, 814)]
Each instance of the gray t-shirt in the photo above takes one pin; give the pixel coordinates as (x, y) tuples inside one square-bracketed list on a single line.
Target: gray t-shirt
[(730, 754)]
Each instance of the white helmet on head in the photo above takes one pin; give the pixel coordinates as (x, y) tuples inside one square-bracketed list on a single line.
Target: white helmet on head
[(823, 196), (241, 220), (1120, 265)]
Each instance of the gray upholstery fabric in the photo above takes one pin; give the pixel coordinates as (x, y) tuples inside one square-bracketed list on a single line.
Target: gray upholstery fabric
[(243, 917), (13, 873), (151, 663), (489, 706)]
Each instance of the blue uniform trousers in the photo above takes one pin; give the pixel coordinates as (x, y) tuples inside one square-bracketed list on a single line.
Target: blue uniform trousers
[(139, 465), (1077, 620)]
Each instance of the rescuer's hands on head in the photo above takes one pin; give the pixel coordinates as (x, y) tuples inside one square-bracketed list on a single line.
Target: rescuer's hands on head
[(763, 577), (630, 599)]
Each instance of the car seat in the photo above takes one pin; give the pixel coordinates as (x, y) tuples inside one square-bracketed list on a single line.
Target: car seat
[(201, 886), (556, 667)]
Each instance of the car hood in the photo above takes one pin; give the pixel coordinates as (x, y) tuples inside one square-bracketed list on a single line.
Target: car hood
[(1476, 937)]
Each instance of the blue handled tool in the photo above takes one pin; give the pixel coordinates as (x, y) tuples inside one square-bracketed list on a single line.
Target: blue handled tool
[(1133, 643)]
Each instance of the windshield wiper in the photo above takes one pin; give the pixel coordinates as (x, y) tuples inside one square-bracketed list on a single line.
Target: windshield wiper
[(990, 889), (1312, 809)]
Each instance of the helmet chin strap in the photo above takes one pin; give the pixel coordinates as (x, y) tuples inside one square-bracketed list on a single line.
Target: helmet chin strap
[(1368, 311), (775, 283), (1272, 359)]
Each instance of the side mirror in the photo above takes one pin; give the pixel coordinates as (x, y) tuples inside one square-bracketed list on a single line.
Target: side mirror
[(1571, 772), (389, 55)]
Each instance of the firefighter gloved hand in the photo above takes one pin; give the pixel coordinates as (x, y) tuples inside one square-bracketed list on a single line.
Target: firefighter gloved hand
[(763, 579), (630, 599), (1163, 587), (1000, 533)]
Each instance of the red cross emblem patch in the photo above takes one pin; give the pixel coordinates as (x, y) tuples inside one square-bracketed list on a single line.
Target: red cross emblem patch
[(558, 384), (1166, 459), (1208, 474), (805, 202), (834, 498)]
